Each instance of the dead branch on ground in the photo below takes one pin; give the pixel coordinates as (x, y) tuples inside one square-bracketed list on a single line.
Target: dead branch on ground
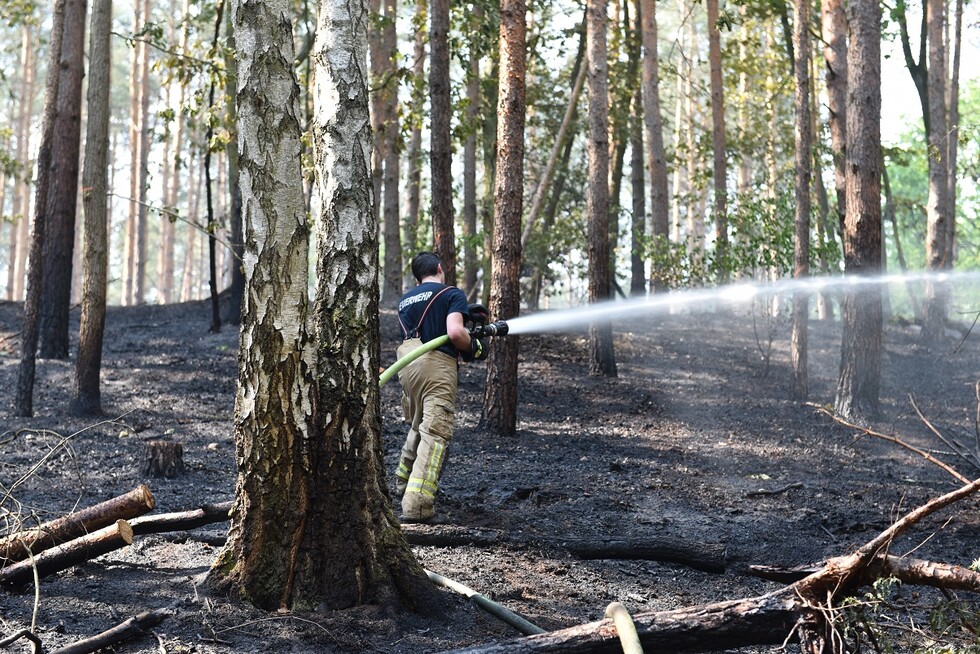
[(27, 634), (136, 625), (960, 450), (892, 439)]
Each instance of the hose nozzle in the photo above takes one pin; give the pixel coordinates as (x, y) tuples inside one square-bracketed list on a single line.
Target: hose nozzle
[(498, 328)]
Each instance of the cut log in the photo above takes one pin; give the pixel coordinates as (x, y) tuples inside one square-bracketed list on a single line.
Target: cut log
[(164, 458), (68, 554), (16, 547), (136, 625), (182, 520)]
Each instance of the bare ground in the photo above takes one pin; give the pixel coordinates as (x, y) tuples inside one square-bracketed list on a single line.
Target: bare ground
[(678, 446)]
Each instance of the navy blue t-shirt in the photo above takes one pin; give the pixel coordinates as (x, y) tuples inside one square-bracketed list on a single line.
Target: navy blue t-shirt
[(417, 310)]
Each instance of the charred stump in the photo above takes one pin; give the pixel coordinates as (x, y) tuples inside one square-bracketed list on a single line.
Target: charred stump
[(163, 458)]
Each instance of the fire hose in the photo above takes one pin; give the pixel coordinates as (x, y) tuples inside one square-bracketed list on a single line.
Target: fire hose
[(498, 328)]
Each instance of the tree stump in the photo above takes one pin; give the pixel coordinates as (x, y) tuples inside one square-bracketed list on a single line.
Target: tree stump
[(164, 459)]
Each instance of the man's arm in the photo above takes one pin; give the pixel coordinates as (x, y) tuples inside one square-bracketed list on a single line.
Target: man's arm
[(457, 331)]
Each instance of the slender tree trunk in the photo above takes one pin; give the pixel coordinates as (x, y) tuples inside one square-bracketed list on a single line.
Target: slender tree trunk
[(129, 256), (142, 212), (377, 57), (952, 141), (825, 233), (653, 123), (639, 228), (86, 393), (213, 223), (236, 287), (168, 226), (20, 230), (24, 400), (62, 197), (720, 166), (188, 283), (936, 293), (602, 355), (440, 156), (470, 259), (393, 269), (860, 370), (413, 182), (801, 251), (835, 54), (544, 184), (500, 397)]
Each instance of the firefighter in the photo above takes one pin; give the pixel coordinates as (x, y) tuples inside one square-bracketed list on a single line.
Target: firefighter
[(428, 311)]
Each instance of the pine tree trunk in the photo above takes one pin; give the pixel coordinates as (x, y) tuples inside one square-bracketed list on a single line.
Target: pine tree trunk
[(86, 392), (20, 230), (470, 260), (393, 282), (720, 167), (602, 355), (413, 182), (953, 140), (140, 245), (638, 279), (24, 400), (440, 155), (835, 54), (62, 198), (500, 396), (653, 123), (860, 370), (801, 250), (129, 256), (936, 294)]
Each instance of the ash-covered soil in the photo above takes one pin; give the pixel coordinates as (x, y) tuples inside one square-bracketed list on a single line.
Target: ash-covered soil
[(678, 446)]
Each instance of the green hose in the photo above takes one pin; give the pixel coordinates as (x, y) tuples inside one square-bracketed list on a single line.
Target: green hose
[(393, 369)]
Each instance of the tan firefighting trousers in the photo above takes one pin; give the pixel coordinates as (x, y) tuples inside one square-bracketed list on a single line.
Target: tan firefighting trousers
[(429, 402)]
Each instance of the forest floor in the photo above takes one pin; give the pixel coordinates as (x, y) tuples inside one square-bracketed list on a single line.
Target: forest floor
[(678, 446)]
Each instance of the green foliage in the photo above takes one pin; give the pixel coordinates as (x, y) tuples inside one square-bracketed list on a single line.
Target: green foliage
[(18, 12), (890, 618)]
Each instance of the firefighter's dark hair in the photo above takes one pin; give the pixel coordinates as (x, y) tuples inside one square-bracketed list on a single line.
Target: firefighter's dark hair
[(425, 264)]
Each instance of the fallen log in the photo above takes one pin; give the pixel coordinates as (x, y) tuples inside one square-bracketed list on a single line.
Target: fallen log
[(18, 546), (709, 557), (910, 571), (68, 554), (765, 620), (182, 520), (136, 625)]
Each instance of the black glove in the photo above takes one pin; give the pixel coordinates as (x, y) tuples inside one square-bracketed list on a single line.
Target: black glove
[(477, 314), (479, 349)]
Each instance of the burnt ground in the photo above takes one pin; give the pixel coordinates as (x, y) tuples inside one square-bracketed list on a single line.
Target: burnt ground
[(677, 447)]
